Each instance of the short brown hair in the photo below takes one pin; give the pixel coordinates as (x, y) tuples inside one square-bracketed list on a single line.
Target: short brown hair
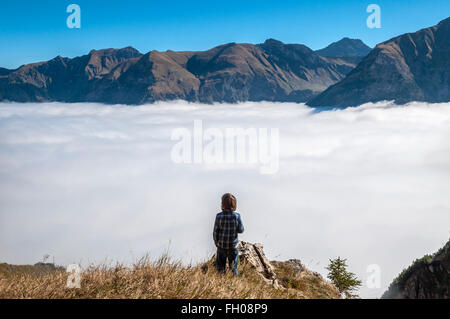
[(228, 202)]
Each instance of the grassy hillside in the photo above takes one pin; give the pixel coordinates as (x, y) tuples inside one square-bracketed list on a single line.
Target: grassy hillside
[(7, 270), (162, 278)]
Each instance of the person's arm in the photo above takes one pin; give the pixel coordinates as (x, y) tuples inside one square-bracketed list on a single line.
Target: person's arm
[(216, 231), (240, 225)]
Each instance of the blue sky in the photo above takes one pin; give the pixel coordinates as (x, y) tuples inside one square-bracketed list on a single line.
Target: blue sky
[(32, 31)]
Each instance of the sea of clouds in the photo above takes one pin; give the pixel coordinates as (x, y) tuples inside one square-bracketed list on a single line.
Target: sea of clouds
[(93, 183)]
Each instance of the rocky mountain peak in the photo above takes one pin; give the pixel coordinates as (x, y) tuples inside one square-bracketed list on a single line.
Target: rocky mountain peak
[(345, 47)]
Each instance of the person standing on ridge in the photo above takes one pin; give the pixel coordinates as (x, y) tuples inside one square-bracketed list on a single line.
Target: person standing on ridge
[(227, 226)]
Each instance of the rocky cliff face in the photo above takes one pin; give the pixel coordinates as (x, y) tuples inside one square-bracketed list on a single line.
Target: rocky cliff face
[(232, 72), (411, 67), (426, 278)]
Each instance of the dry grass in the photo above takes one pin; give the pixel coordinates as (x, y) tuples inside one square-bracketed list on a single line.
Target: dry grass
[(162, 278), (306, 281)]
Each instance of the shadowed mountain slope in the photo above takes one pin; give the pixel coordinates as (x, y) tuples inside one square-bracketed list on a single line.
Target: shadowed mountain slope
[(410, 67), (428, 277)]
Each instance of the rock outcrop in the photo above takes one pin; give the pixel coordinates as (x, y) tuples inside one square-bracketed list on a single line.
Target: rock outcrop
[(253, 254), (410, 67), (426, 278), (290, 274)]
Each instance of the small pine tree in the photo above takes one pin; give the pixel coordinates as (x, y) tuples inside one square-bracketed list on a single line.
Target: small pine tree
[(345, 281)]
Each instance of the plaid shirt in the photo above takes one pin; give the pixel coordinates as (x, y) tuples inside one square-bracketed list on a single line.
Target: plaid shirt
[(226, 228)]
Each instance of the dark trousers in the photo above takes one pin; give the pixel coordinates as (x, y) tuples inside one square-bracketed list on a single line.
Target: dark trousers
[(227, 254)]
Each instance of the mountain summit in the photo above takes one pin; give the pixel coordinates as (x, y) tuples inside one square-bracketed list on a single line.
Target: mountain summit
[(345, 47)]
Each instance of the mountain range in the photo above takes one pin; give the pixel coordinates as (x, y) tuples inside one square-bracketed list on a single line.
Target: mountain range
[(232, 72), (413, 66)]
